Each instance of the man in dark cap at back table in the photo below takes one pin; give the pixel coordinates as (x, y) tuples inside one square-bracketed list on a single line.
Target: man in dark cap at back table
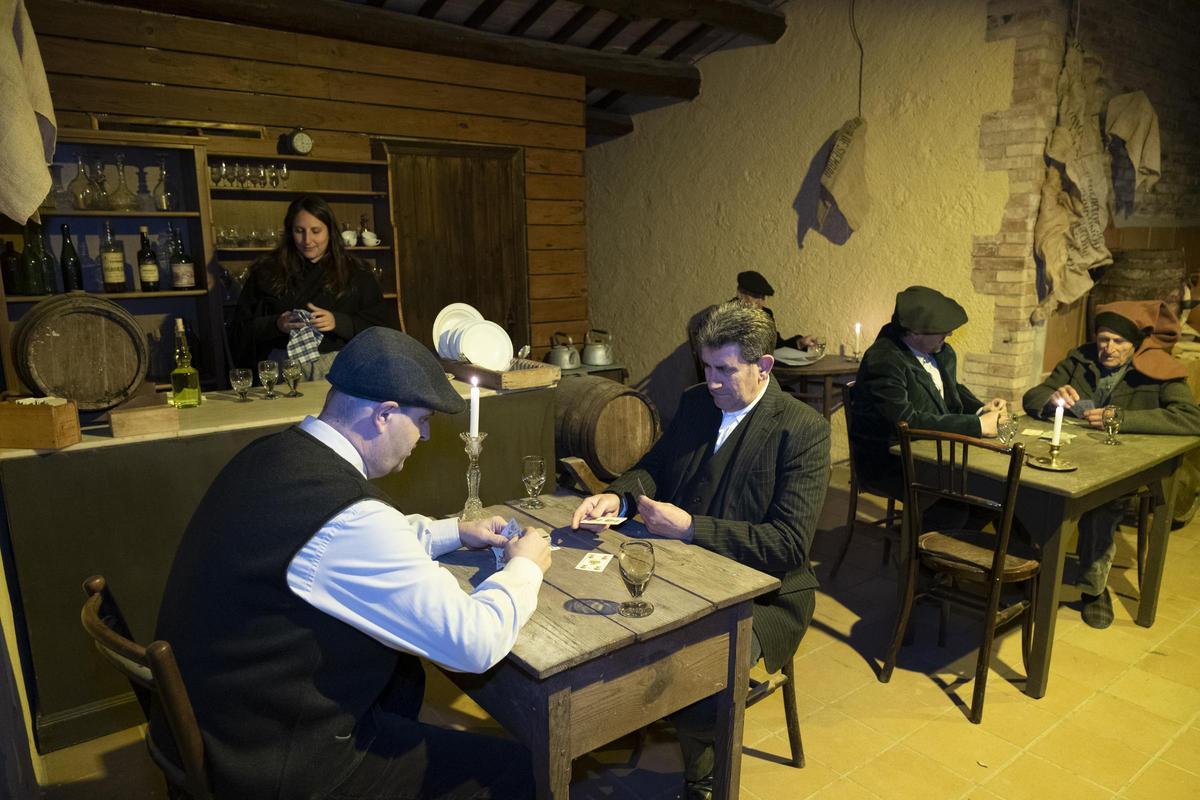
[(1128, 365), (301, 601), (909, 374)]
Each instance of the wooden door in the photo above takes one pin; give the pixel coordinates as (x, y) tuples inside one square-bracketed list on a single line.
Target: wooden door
[(459, 213)]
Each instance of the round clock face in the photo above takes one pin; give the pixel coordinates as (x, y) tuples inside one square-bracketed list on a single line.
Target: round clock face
[(302, 143)]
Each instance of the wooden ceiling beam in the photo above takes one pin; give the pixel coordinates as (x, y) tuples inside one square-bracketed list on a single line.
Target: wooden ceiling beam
[(359, 23), (430, 8), (482, 13), (739, 16), (581, 17), (530, 17)]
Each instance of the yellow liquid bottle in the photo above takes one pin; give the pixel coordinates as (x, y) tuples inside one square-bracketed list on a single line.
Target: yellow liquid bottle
[(185, 380)]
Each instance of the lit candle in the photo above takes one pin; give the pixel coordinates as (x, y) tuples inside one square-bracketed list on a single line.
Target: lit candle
[(475, 407), (1058, 415), (857, 333)]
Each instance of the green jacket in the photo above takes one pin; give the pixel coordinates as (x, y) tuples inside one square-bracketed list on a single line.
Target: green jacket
[(1151, 406)]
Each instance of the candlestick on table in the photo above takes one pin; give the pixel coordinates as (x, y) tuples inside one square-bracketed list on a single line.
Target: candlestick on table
[(474, 429), (857, 334), (1058, 419)]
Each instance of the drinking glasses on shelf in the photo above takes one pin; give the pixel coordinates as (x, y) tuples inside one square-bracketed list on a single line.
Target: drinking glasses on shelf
[(241, 380), (533, 475), (284, 174), (636, 561), (293, 371), (1112, 417), (260, 176), (214, 171), (273, 176), (268, 376), (243, 175)]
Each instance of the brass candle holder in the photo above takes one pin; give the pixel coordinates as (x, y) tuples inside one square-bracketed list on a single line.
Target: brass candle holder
[(1054, 462)]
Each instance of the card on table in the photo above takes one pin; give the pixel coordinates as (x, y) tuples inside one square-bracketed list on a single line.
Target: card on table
[(594, 562), (610, 519)]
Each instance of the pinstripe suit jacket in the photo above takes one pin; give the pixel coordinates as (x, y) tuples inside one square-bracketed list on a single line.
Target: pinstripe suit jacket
[(765, 508)]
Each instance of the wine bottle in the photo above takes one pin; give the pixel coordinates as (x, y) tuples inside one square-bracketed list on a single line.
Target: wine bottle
[(49, 267), (10, 265), (147, 263), (32, 276), (183, 269), (72, 270), (112, 261), (185, 380)]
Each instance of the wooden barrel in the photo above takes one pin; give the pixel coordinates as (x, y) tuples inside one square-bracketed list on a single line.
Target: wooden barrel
[(83, 348), (1139, 275), (607, 424)]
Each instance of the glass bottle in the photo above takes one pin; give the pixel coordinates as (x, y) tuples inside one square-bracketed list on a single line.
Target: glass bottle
[(99, 186), (185, 380), (147, 263), (49, 267), (122, 199), (80, 188), (183, 269), (10, 265), (164, 198), (72, 269), (112, 261), (31, 279)]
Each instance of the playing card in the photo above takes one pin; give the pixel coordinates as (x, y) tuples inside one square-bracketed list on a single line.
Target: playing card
[(513, 528), (594, 562), (609, 520)]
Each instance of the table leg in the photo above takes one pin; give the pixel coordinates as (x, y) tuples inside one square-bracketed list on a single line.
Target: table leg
[(1156, 551), (549, 745), (827, 397), (1045, 611), (731, 711)]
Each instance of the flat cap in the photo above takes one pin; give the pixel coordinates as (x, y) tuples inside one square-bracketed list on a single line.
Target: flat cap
[(922, 310), (383, 364), (752, 282)]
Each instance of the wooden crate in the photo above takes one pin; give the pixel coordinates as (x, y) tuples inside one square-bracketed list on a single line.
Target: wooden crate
[(134, 421), (39, 427), (523, 374)]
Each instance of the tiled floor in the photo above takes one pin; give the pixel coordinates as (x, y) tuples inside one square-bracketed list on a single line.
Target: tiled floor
[(1121, 718)]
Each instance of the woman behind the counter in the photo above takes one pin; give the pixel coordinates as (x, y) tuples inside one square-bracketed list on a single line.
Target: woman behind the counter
[(309, 269)]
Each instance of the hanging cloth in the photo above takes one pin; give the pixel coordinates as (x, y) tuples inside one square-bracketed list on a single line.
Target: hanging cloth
[(28, 128), (1131, 119), (844, 180)]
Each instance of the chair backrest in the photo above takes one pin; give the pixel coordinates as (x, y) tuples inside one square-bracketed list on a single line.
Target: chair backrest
[(848, 411), (950, 473), (152, 672)]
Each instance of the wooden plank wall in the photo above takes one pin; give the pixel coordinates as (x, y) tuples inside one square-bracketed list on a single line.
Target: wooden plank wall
[(110, 60)]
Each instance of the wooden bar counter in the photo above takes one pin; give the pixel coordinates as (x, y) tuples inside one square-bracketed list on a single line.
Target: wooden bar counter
[(119, 507)]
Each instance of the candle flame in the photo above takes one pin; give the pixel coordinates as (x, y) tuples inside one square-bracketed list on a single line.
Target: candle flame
[(1061, 402), (474, 381)]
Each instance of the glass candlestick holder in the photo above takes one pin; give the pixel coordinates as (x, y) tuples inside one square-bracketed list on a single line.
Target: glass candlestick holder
[(473, 445)]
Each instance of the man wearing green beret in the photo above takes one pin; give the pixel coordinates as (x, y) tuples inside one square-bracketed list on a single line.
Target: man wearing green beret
[(1128, 365), (909, 374)]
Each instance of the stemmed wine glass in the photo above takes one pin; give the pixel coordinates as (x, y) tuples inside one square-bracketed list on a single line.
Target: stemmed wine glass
[(293, 371), (268, 376), (1112, 417), (284, 174), (533, 475), (214, 169), (243, 175), (273, 176), (1007, 425), (241, 380), (636, 560)]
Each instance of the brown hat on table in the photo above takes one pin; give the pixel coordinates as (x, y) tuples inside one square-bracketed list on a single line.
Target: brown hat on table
[(1156, 330)]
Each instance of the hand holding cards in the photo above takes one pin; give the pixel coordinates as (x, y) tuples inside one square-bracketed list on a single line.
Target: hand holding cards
[(533, 544)]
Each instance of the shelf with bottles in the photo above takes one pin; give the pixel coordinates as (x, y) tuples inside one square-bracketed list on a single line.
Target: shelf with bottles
[(130, 214), (34, 298), (266, 248), (96, 178), (292, 191)]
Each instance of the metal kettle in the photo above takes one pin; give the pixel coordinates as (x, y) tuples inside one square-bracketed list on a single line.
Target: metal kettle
[(597, 348), (563, 356)]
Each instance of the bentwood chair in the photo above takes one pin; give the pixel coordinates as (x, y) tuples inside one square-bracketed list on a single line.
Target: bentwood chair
[(154, 676), (967, 568), (889, 524)]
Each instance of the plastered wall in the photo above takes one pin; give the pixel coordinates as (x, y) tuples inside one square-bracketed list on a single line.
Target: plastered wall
[(705, 189)]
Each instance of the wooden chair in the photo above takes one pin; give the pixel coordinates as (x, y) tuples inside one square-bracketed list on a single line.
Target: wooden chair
[(971, 569), (890, 521), (153, 673)]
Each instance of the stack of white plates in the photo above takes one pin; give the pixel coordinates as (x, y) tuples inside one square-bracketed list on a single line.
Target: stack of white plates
[(461, 333)]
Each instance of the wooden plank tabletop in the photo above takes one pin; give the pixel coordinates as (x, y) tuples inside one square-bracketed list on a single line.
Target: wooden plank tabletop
[(577, 619)]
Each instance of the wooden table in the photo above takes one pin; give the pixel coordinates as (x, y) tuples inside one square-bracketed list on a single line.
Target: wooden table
[(581, 676), (1049, 505), (831, 370)]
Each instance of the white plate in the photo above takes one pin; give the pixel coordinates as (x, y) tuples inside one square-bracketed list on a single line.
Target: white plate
[(486, 344), (797, 358), (452, 316)]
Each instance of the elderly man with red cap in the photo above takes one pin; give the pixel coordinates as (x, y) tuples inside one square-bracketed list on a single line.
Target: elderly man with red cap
[(1128, 365)]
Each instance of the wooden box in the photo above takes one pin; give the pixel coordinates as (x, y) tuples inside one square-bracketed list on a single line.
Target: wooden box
[(39, 427), (522, 374), (146, 419)]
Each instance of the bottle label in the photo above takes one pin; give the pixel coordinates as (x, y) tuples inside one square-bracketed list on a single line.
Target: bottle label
[(148, 271), (183, 275), (112, 266)]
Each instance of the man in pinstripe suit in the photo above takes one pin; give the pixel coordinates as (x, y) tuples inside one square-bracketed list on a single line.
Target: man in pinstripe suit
[(742, 471)]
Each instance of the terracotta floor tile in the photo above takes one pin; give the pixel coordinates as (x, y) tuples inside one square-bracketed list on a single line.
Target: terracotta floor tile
[(1147, 731), (894, 709), (830, 675), (1173, 664), (1083, 666), (1161, 696), (844, 789), (1018, 722), (1030, 777), (1185, 639), (767, 772), (902, 773), (970, 751), (1162, 781), (1184, 752), (840, 741), (1099, 755)]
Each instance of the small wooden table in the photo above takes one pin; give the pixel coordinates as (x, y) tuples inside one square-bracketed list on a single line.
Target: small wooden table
[(581, 676), (831, 370), (1049, 505)]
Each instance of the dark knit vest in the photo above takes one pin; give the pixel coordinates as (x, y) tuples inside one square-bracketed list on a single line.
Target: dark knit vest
[(283, 692), (697, 492)]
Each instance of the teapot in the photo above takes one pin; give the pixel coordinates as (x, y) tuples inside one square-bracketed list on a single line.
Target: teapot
[(563, 356), (597, 348)]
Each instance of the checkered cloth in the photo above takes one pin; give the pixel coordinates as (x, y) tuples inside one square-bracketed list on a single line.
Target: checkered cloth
[(304, 343)]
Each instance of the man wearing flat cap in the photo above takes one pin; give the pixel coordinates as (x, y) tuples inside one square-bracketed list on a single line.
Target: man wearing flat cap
[(909, 374), (301, 601), (1128, 365)]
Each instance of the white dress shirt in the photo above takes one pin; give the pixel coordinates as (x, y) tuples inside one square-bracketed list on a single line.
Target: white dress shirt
[(731, 419), (931, 366), (373, 568)]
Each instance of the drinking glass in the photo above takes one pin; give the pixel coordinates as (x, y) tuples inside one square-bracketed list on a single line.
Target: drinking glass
[(636, 560), (1112, 417), (241, 380), (284, 174), (533, 475), (243, 175), (260, 176), (273, 176), (268, 376), (214, 170), (1006, 428), (293, 371)]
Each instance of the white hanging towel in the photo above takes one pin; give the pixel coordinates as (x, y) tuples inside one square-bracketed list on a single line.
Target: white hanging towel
[(27, 126), (845, 178)]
